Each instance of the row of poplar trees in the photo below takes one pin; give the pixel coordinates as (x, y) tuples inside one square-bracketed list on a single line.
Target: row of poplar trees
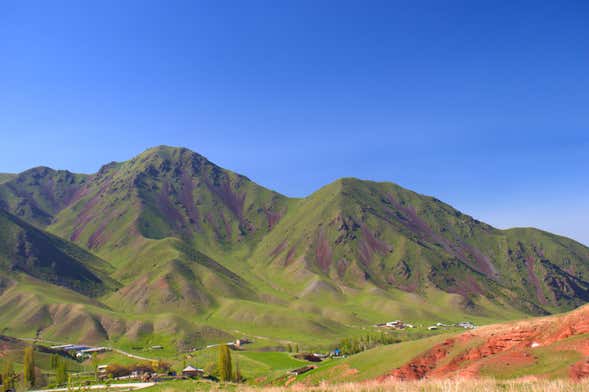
[(9, 376)]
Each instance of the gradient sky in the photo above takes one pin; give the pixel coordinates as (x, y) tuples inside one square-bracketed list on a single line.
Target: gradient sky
[(485, 106)]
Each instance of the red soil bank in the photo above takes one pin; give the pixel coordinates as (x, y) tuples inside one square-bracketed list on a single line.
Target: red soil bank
[(510, 344)]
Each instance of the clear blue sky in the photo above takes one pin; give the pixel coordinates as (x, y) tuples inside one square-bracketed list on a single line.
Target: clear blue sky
[(483, 104)]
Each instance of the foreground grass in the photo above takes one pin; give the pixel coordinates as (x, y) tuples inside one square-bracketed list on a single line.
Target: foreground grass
[(462, 385)]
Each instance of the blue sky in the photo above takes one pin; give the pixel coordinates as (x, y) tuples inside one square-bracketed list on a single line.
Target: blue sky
[(484, 104)]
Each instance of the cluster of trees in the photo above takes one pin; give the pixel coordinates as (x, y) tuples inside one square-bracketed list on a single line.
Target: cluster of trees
[(59, 366), (349, 346), (292, 349), (9, 378), (225, 369)]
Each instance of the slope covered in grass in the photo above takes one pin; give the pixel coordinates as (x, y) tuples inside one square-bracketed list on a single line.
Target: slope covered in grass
[(208, 247), (360, 234), (26, 249), (38, 194)]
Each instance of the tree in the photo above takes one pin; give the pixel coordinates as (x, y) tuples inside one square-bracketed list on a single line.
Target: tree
[(29, 367), (95, 365), (8, 376), (61, 371), (155, 365), (224, 364), (289, 348), (237, 377)]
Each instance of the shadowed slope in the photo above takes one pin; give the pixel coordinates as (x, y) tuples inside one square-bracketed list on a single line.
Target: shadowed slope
[(26, 249)]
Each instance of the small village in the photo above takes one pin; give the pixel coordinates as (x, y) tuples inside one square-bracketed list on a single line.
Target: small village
[(104, 364), (401, 325), (83, 365)]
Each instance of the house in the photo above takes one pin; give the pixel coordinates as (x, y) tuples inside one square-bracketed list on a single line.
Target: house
[(95, 350), (87, 352), (190, 371), (240, 342), (466, 325), (397, 324), (394, 324), (300, 370), (101, 371), (308, 357)]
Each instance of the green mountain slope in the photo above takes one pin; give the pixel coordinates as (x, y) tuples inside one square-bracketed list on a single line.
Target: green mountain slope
[(165, 219), (31, 251), (208, 247), (356, 233), (169, 192), (36, 195)]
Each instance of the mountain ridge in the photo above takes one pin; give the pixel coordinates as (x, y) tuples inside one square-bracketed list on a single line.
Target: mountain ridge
[(187, 237)]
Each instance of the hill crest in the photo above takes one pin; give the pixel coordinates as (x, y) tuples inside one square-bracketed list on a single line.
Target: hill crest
[(188, 237)]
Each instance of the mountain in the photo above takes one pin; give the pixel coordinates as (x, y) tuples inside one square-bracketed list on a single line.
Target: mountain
[(354, 232), (36, 195), (177, 235)]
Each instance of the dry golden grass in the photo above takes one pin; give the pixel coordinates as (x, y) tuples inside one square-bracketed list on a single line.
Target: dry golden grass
[(463, 385)]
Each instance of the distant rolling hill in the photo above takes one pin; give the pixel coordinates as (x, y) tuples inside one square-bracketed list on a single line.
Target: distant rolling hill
[(203, 249)]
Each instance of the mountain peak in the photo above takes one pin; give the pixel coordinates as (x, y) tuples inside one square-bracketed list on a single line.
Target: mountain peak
[(168, 152)]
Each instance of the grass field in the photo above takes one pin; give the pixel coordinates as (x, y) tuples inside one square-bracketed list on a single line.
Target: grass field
[(462, 385)]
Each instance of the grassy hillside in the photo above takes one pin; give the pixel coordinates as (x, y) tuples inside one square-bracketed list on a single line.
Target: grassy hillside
[(189, 246), (36, 195), (26, 249), (169, 220), (359, 234), (551, 347)]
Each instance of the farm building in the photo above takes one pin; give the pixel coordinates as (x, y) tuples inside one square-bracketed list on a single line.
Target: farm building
[(190, 371), (301, 370)]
